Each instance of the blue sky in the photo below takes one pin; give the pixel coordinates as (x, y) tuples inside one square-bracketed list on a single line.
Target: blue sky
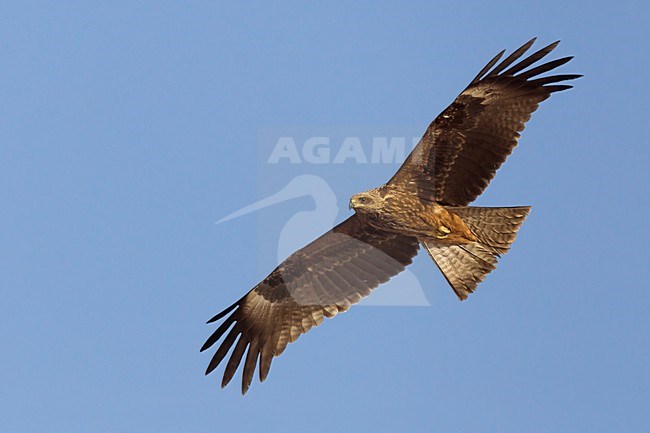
[(128, 128)]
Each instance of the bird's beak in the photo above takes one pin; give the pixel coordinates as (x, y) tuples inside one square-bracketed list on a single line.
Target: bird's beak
[(352, 204)]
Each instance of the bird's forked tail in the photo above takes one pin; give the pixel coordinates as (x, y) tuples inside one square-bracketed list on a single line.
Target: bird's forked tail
[(466, 265)]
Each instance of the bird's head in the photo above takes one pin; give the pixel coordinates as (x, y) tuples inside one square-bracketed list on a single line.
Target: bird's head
[(368, 201)]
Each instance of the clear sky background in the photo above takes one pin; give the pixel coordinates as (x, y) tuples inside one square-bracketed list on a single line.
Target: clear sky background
[(128, 128)]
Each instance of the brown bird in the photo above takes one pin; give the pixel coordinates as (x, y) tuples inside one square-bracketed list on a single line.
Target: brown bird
[(425, 203)]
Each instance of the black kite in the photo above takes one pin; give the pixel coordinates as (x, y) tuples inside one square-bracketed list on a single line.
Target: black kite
[(424, 203)]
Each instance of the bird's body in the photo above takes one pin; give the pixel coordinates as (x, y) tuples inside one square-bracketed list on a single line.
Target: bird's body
[(424, 203), (395, 210)]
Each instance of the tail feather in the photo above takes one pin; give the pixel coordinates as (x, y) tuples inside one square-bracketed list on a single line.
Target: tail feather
[(495, 227), (466, 265)]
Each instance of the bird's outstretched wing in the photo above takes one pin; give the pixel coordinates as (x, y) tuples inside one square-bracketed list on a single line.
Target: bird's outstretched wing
[(320, 280), (465, 145)]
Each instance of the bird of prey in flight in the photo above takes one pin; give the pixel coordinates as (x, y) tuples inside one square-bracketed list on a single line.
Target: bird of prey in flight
[(424, 203)]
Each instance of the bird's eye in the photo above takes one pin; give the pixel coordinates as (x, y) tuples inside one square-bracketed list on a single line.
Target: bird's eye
[(362, 200)]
